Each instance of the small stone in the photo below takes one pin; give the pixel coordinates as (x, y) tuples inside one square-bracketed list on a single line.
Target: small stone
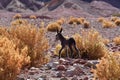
[(59, 74), (32, 68), (74, 78), (86, 78), (40, 79), (61, 67), (61, 61), (31, 72), (64, 78)]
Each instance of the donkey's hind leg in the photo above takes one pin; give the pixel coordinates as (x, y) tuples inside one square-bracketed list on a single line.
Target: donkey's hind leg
[(71, 51), (77, 51)]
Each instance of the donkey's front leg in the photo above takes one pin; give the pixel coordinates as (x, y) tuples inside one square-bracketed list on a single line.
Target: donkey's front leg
[(60, 51)]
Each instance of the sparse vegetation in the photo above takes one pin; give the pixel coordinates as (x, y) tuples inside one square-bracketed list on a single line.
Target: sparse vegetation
[(21, 45), (108, 24), (33, 17), (116, 40), (109, 67), (117, 22), (17, 16), (86, 24), (90, 43), (53, 27), (12, 58)]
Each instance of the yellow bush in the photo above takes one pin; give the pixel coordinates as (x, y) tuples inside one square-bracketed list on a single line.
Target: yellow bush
[(114, 18), (86, 24), (108, 24), (12, 59), (35, 39), (19, 22), (106, 41), (33, 17), (17, 16), (101, 19), (117, 22), (53, 27), (77, 21), (90, 43), (60, 21), (109, 67), (116, 40)]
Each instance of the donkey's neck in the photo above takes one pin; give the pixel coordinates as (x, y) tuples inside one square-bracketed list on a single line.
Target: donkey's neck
[(62, 39)]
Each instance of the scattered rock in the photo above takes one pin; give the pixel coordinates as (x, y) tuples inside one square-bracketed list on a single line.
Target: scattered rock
[(64, 78), (86, 78), (59, 74), (61, 67), (74, 78)]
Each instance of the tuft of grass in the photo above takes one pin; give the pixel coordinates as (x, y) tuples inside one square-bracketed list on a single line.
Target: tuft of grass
[(53, 27), (32, 17), (108, 24), (86, 24), (60, 21), (90, 44), (19, 22), (101, 19), (116, 40), (106, 41), (17, 16), (12, 58), (117, 22), (114, 18), (108, 67)]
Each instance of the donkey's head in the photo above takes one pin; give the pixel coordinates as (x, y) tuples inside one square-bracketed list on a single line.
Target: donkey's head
[(59, 35)]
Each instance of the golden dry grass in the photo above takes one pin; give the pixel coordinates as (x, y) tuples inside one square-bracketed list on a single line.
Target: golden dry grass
[(12, 58), (90, 43), (116, 40), (117, 22), (20, 46), (53, 27), (86, 24), (108, 68), (17, 16), (32, 17), (101, 19), (108, 24)]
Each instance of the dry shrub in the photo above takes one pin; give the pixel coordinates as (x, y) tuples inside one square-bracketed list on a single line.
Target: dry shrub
[(53, 27), (101, 19), (81, 20), (86, 24), (117, 22), (108, 24), (19, 22), (17, 16), (90, 44), (106, 41), (116, 40), (33, 17), (109, 67), (77, 21), (12, 58), (35, 39), (60, 21), (114, 18)]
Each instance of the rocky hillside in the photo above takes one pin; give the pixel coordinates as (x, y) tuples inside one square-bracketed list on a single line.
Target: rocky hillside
[(64, 7)]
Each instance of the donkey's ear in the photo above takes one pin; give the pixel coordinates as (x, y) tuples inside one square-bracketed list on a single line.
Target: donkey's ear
[(61, 30)]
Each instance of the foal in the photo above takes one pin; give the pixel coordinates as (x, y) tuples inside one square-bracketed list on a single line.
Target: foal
[(66, 42)]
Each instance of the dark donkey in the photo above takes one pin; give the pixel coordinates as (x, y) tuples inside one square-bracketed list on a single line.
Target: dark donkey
[(66, 42)]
